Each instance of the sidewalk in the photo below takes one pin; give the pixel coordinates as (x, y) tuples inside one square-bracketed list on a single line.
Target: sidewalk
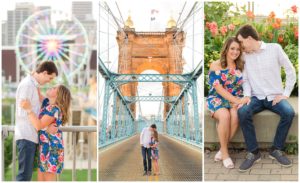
[(124, 162), (266, 170)]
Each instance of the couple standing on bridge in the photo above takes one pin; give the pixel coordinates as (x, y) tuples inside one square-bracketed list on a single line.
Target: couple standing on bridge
[(247, 80), (149, 147), (37, 122)]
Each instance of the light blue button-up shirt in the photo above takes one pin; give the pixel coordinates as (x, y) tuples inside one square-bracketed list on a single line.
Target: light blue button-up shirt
[(262, 73), (27, 89)]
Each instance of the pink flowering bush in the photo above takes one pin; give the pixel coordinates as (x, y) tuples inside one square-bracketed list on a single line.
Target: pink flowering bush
[(223, 19)]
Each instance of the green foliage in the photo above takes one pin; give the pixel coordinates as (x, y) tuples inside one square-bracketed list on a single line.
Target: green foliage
[(81, 175), (227, 18), (6, 120), (212, 15), (8, 151), (292, 52), (213, 147), (6, 115), (6, 110), (292, 148)]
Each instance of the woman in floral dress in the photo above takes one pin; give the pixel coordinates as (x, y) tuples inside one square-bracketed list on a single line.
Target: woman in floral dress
[(154, 151), (225, 95), (54, 110)]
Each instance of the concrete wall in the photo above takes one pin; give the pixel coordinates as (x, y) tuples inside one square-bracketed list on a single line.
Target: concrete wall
[(265, 124)]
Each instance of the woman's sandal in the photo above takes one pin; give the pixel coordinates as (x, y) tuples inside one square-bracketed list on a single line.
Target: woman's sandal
[(218, 156), (228, 163)]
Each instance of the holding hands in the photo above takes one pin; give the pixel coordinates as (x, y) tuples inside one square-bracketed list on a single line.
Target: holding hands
[(245, 100), (242, 101)]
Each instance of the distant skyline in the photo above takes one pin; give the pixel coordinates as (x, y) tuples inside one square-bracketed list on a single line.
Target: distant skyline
[(261, 7), (64, 5), (18, 11)]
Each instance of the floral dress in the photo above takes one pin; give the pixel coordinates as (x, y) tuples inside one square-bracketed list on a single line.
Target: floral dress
[(154, 150), (231, 80), (51, 146)]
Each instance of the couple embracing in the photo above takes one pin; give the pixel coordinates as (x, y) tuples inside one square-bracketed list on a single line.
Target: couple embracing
[(244, 81), (149, 147), (37, 122)]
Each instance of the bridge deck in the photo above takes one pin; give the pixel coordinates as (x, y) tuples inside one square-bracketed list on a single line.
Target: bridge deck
[(123, 162)]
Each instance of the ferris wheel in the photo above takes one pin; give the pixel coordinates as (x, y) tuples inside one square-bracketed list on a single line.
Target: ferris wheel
[(51, 35)]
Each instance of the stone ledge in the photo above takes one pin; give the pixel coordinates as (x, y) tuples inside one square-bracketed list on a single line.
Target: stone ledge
[(265, 124)]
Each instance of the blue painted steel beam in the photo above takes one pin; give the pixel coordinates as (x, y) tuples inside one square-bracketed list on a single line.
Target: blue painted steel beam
[(174, 116), (166, 99), (186, 111), (113, 121), (175, 122), (127, 78), (113, 133), (195, 74), (107, 75), (196, 112), (105, 113)]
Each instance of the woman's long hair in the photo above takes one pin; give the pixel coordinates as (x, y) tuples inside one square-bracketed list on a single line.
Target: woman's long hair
[(238, 61), (63, 101), (155, 135)]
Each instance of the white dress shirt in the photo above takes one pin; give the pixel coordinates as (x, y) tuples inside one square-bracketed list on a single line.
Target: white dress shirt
[(145, 137), (262, 73), (27, 89)]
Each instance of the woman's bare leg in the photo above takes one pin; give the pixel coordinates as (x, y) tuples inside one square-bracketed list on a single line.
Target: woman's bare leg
[(40, 176), (223, 129), (153, 163), (50, 176), (234, 122), (157, 167)]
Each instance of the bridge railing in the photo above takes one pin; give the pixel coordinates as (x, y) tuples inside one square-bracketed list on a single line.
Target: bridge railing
[(6, 130), (183, 121), (117, 123), (120, 130), (190, 140)]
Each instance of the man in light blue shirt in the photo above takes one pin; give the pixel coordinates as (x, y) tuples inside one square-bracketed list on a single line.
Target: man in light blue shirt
[(145, 139), (264, 90), (25, 134)]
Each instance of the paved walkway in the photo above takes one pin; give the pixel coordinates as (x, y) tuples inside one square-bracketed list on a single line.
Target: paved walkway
[(266, 170), (123, 161)]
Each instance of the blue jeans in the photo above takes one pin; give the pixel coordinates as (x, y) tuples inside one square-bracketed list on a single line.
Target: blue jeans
[(26, 155), (283, 109), (146, 152)]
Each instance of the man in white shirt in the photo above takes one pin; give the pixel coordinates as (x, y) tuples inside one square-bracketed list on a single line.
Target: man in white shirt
[(25, 134), (264, 89), (145, 139)]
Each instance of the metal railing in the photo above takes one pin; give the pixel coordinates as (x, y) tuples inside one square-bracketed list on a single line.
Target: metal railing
[(72, 129)]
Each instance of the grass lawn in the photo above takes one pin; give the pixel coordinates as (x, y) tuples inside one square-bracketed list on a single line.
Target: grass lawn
[(81, 175)]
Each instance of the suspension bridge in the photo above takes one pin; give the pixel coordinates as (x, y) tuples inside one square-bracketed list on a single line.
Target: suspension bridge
[(131, 63)]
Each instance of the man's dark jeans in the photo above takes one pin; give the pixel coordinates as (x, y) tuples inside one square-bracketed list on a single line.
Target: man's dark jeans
[(146, 152), (283, 109), (26, 155)]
